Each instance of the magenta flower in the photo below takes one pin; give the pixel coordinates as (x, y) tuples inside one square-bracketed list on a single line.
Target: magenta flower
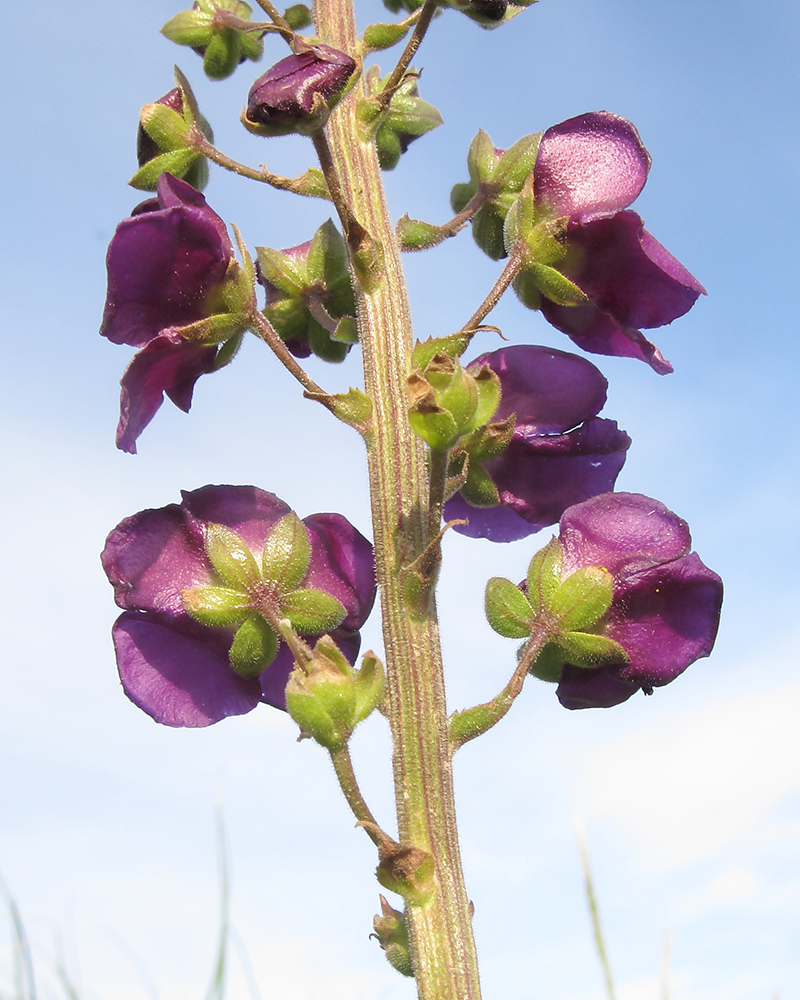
[(589, 169), (179, 670), (166, 265), (666, 603), (560, 452), (296, 94)]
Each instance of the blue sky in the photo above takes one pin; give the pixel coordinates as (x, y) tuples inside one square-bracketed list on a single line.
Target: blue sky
[(691, 799)]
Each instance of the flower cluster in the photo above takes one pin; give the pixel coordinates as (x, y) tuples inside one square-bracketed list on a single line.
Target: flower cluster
[(559, 452), (222, 556)]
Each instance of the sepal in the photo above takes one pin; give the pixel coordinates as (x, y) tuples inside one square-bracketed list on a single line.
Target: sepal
[(287, 554), (254, 647), (391, 930), (370, 683), (508, 610), (216, 607), (312, 611), (230, 557)]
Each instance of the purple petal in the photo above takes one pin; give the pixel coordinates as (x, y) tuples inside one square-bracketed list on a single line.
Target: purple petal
[(550, 391), (665, 619), (168, 364), (151, 557), (287, 90), (624, 532), (178, 678), (247, 510), (581, 688), (590, 166), (596, 332), (497, 524), (539, 477), (342, 564), (163, 264), (628, 274)]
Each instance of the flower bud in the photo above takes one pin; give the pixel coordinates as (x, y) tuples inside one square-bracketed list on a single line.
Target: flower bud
[(215, 30), (391, 930), (164, 139), (321, 697), (448, 401), (407, 118), (297, 94)]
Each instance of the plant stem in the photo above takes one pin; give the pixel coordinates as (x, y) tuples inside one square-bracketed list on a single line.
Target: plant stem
[(310, 184), (343, 766), (507, 275), (420, 28), (440, 929)]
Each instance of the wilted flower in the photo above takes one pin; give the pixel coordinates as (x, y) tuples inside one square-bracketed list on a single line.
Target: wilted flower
[(222, 554), (560, 451), (297, 93), (166, 267), (665, 607), (588, 171)]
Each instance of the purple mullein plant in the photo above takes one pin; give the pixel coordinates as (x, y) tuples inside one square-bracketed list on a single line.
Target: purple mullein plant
[(166, 265), (665, 608), (173, 666), (560, 451), (588, 171)]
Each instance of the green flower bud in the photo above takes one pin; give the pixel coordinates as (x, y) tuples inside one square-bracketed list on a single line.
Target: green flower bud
[(321, 697), (391, 930), (216, 29), (406, 119)]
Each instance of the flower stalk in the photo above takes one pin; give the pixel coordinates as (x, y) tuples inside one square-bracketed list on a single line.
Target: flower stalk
[(440, 931)]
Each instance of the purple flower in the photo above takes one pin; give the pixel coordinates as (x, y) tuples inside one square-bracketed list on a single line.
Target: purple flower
[(179, 671), (296, 94), (560, 451), (666, 603), (589, 169), (166, 265)]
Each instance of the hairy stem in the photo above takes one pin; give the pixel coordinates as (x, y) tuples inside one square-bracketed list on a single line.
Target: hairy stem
[(509, 272), (420, 28), (442, 945), (343, 766)]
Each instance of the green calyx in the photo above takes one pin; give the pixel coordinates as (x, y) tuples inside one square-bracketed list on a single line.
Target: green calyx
[(568, 612), (496, 177), (540, 242), (391, 930), (169, 133), (406, 118), (327, 697), (218, 30), (256, 593), (310, 296), (449, 401)]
